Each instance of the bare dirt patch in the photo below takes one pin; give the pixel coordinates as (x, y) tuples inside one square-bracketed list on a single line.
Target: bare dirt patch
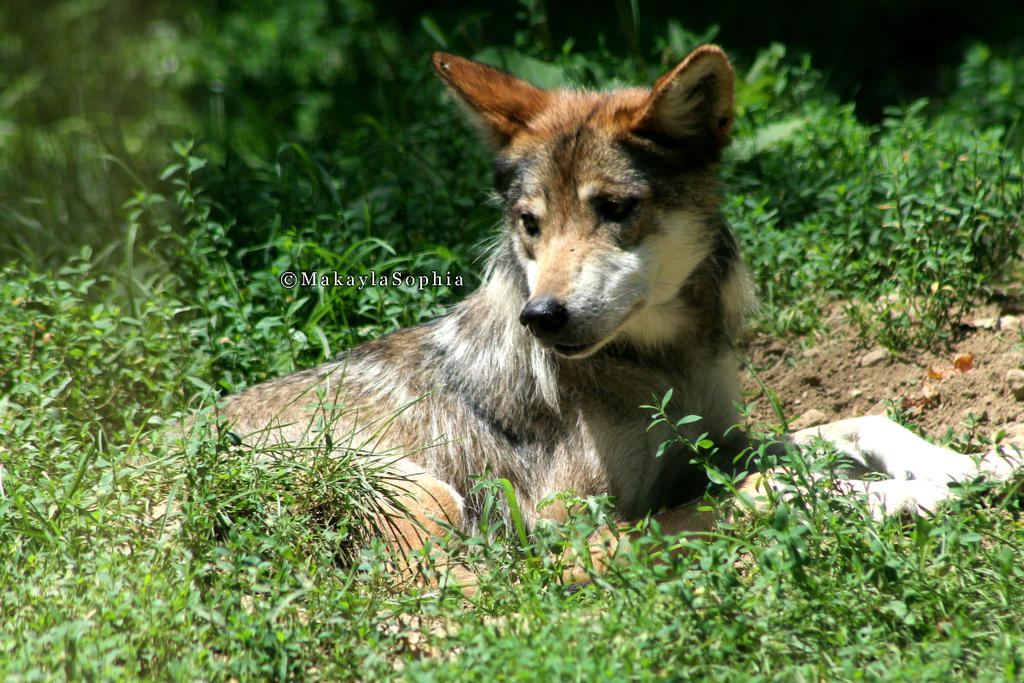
[(840, 375)]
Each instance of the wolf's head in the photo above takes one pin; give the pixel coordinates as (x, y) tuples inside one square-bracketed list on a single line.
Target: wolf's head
[(610, 199)]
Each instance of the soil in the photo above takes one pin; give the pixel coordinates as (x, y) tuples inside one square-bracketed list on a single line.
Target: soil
[(840, 375)]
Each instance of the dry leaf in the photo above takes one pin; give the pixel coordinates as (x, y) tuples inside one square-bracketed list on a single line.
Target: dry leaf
[(963, 361)]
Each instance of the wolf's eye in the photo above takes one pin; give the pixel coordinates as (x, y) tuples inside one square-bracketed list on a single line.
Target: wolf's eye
[(616, 209), (530, 223)]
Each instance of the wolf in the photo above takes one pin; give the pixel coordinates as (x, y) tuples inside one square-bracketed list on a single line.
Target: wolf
[(616, 281)]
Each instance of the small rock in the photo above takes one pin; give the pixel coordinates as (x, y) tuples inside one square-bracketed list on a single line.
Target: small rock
[(1009, 322), (875, 357), (985, 323), (856, 393), (811, 418), (1013, 435), (1015, 383)]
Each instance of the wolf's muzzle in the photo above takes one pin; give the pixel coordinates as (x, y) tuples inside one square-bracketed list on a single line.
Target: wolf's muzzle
[(546, 317)]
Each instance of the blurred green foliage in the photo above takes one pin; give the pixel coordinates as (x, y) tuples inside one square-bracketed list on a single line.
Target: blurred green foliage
[(318, 92)]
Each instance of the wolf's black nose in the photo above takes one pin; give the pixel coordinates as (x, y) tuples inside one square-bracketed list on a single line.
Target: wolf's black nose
[(545, 317)]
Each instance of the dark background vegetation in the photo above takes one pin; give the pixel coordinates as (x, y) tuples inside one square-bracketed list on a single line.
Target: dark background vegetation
[(94, 90)]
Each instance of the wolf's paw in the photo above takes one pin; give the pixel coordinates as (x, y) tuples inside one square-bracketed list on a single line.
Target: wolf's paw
[(945, 466), (1001, 464), (891, 497)]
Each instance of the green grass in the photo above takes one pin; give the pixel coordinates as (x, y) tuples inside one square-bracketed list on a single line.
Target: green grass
[(142, 280)]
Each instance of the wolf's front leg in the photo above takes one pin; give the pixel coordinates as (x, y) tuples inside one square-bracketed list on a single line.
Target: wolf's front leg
[(877, 444), (920, 471), (884, 498), (415, 509)]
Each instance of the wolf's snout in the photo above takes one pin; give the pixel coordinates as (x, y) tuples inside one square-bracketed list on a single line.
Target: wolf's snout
[(545, 317)]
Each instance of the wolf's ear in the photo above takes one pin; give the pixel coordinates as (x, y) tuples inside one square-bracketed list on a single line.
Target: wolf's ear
[(692, 100), (499, 105)]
